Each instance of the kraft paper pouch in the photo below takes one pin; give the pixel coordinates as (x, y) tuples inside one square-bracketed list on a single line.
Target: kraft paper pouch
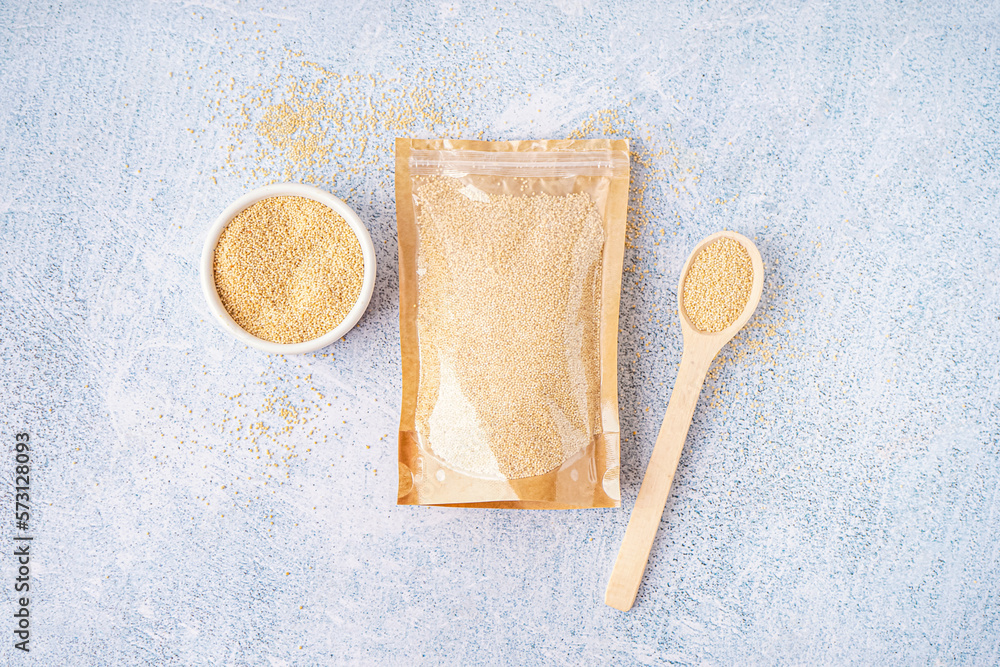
[(510, 264)]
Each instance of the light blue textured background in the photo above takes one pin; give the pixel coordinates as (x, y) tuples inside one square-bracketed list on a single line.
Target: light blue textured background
[(837, 501)]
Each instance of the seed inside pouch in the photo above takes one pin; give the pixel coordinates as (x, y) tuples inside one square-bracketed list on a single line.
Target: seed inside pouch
[(508, 320), (510, 257)]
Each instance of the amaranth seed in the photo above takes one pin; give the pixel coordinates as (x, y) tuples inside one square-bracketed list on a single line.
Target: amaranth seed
[(288, 269), (508, 320), (717, 285)]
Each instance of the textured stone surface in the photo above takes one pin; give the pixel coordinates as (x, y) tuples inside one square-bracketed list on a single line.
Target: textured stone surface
[(837, 501)]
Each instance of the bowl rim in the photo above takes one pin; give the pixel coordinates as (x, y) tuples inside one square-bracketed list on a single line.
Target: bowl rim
[(286, 190)]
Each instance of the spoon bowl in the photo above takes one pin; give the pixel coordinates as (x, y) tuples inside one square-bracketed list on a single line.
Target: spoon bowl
[(708, 340), (700, 348)]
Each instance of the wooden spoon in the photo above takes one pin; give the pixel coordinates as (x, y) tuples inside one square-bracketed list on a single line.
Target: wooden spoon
[(700, 349)]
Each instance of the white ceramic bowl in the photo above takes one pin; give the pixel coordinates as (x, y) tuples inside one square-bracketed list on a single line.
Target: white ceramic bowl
[(289, 190)]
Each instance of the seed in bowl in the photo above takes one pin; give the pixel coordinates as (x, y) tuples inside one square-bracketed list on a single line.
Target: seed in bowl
[(288, 269)]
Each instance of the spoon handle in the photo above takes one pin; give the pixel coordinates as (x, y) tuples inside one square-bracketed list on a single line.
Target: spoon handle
[(645, 520)]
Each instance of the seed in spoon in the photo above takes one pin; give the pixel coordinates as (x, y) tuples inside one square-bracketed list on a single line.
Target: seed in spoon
[(718, 285)]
